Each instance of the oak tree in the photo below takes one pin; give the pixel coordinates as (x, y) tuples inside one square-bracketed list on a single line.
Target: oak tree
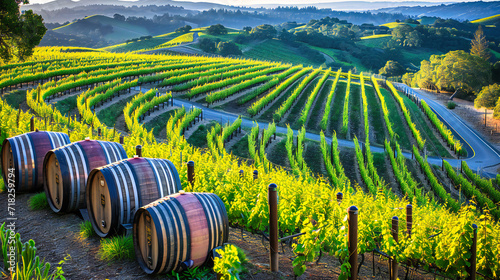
[(19, 33)]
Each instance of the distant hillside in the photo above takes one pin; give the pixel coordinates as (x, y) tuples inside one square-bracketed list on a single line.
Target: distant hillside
[(460, 11), (354, 5), (63, 14), (112, 30), (493, 20)]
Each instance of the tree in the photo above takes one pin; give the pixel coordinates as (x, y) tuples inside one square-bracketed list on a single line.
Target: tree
[(286, 36), (488, 97), (247, 29), (119, 17), (19, 34), (184, 29), (392, 68), (264, 31), (207, 45), (228, 48), (479, 45), (454, 70), (217, 29)]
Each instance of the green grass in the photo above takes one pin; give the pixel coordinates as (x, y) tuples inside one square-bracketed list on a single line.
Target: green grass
[(199, 137), (379, 164), (138, 45), (267, 116), (86, 230), (416, 55), (159, 122), (296, 110), (278, 153), (240, 148), (2, 185), (275, 50), (317, 110), (495, 54), (117, 248), (15, 97), (343, 58), (394, 24), (312, 153), (377, 36), (375, 42), (184, 38), (38, 202), (337, 107), (487, 20), (109, 115), (67, 104), (398, 123), (374, 115), (355, 111), (432, 143), (223, 37)]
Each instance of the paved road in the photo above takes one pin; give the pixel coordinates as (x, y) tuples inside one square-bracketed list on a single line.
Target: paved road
[(481, 154), (224, 117)]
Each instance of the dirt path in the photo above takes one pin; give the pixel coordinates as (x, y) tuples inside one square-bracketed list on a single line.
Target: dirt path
[(115, 100), (235, 140), (190, 131)]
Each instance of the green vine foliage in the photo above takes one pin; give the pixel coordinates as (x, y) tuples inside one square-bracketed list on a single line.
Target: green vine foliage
[(228, 265), (27, 264)]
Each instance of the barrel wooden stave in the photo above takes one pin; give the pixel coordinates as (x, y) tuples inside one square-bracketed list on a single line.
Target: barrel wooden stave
[(66, 171), (25, 154), (129, 184), (182, 231)]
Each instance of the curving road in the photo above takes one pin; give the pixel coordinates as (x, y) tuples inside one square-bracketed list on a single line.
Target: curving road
[(481, 153)]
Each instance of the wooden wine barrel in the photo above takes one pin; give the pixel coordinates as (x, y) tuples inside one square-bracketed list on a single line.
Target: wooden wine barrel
[(66, 170), (117, 190), (179, 231), (24, 155)]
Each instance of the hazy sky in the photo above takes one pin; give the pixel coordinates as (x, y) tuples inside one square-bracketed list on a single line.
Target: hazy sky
[(290, 2)]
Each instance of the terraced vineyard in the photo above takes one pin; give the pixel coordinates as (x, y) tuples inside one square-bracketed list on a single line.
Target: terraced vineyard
[(351, 116)]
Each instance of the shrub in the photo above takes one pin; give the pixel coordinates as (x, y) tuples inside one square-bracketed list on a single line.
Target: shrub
[(451, 105)]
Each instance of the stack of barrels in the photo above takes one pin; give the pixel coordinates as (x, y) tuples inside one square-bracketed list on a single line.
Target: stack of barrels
[(172, 230)]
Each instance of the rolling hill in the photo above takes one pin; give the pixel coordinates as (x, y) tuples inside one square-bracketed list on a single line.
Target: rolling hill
[(459, 11), (110, 29)]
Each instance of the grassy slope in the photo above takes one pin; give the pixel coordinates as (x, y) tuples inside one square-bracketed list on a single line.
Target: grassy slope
[(275, 50), (375, 36), (394, 24), (488, 20), (139, 45)]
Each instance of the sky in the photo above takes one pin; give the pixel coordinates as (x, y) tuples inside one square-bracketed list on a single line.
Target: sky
[(281, 2)]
